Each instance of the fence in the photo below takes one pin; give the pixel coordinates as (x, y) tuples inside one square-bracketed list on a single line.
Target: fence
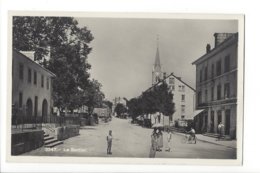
[(33, 122)]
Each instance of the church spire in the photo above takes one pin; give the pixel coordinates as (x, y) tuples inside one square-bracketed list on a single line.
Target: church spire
[(157, 62), (157, 71)]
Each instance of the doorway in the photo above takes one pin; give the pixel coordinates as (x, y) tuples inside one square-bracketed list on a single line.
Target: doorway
[(29, 108), (227, 122), (44, 110)]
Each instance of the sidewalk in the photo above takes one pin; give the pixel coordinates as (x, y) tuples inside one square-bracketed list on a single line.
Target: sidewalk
[(226, 143)]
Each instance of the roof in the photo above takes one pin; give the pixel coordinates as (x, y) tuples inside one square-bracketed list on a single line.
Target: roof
[(174, 77), (232, 39), (157, 59), (52, 74)]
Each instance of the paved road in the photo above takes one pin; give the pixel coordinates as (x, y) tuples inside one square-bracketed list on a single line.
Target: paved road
[(130, 141)]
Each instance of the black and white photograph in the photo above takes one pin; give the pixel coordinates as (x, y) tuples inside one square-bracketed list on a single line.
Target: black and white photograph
[(126, 86)]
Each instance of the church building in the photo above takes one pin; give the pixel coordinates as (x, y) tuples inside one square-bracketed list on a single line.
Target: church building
[(183, 94)]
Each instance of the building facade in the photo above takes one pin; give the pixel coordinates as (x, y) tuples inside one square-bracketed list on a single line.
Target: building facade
[(183, 98), (216, 86), (31, 88), (183, 94)]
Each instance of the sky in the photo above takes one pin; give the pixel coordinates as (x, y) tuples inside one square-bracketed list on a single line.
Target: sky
[(124, 49)]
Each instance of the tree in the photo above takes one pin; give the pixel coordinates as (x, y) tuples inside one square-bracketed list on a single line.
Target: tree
[(93, 96), (108, 104), (67, 43), (120, 109), (157, 99), (134, 107)]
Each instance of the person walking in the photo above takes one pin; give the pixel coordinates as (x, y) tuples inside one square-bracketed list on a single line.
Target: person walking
[(220, 129), (160, 140), (168, 144), (154, 140), (109, 142)]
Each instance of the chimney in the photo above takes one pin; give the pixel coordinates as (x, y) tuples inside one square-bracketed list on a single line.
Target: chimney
[(28, 54), (220, 37), (208, 48)]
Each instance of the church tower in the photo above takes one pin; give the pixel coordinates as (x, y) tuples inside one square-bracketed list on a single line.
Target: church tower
[(157, 71)]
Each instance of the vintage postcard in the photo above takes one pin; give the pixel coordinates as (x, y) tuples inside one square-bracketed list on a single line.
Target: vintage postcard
[(145, 88)]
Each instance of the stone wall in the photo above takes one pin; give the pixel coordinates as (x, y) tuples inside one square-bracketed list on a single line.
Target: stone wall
[(63, 132), (67, 132), (26, 141)]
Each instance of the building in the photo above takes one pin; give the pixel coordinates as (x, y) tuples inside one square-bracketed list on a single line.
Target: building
[(31, 88), (183, 98), (216, 86), (183, 94)]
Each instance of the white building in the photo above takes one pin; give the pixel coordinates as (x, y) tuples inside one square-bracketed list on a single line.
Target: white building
[(183, 94)]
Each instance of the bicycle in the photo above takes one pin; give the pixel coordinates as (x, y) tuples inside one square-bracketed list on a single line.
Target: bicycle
[(188, 139)]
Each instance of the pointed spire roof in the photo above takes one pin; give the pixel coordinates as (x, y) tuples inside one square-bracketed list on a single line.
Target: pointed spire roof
[(157, 62), (157, 58)]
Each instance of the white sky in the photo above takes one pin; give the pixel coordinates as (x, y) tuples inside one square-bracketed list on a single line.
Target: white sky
[(124, 50)]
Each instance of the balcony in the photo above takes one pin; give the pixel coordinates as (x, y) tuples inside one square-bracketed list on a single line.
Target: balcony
[(217, 102)]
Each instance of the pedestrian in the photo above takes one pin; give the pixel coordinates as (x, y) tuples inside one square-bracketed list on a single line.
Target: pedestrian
[(109, 142), (160, 140), (154, 140), (220, 128), (169, 138)]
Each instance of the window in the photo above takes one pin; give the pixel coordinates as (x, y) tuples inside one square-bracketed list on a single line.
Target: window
[(227, 64), (29, 75), (200, 75), (42, 81), (199, 97), (171, 81), (183, 116), (182, 108), (183, 88), (212, 93), (227, 90), (35, 105), (206, 95), (218, 68), (219, 92), (20, 99), (35, 77), (219, 116), (47, 83), (183, 98), (212, 70), (206, 73), (21, 71)]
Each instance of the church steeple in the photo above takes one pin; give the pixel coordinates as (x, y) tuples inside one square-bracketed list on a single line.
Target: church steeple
[(157, 71)]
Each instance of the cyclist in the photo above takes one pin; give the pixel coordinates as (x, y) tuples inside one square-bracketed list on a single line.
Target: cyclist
[(192, 134)]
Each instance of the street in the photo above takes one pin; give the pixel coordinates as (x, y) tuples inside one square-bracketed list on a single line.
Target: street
[(130, 140)]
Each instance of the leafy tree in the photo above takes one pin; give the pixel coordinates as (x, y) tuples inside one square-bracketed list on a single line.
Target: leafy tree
[(156, 99), (67, 43), (134, 107), (120, 109), (93, 96), (108, 103)]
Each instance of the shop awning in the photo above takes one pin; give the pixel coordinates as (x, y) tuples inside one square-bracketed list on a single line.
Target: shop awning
[(197, 112)]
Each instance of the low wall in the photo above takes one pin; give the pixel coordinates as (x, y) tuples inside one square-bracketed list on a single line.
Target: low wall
[(66, 132), (26, 141)]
